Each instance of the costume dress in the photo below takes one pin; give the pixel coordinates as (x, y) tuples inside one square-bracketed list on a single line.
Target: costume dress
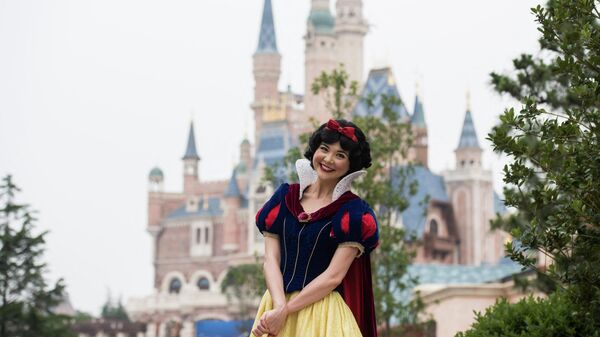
[(308, 242)]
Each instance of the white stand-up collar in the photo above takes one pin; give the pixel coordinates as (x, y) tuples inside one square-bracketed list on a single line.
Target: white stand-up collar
[(307, 176)]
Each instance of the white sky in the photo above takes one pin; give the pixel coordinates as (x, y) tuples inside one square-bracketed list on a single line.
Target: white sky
[(93, 94)]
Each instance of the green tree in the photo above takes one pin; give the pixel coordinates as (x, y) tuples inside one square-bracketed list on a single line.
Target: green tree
[(553, 145), (243, 286), (386, 187), (531, 317), (114, 311), (26, 300)]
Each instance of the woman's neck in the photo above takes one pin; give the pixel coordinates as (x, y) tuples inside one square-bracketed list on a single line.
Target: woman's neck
[(322, 189)]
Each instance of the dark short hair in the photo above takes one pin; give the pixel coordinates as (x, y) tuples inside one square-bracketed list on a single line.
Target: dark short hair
[(360, 152)]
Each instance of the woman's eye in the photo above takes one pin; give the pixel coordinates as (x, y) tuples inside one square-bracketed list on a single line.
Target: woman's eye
[(323, 148), (341, 156)]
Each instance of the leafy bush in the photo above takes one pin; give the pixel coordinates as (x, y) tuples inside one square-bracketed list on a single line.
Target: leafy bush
[(554, 316)]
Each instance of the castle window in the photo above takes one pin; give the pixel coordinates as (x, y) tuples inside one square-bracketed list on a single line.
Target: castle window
[(203, 283), (174, 286), (433, 228), (201, 238)]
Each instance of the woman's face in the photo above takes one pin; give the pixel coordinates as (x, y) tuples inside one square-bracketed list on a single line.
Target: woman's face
[(331, 161)]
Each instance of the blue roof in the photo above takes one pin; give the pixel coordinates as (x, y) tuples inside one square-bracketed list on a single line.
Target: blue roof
[(418, 117), (429, 184), (267, 41), (190, 151), (380, 82), (214, 209), (462, 274), (216, 328), (468, 136), (499, 206), (271, 143), (232, 189)]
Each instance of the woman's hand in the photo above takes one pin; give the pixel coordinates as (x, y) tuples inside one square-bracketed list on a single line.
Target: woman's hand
[(275, 319), (271, 322)]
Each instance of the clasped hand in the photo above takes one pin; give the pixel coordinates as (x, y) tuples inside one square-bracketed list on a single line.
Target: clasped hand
[(271, 322)]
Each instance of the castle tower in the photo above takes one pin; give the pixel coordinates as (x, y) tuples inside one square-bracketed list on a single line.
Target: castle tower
[(231, 223), (470, 189), (420, 133), (350, 30), (267, 67), (190, 163), (319, 55)]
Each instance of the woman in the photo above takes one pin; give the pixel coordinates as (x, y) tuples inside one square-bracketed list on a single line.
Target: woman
[(318, 236)]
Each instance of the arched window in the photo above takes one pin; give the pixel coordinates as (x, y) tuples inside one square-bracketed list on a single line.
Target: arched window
[(203, 283), (174, 286), (433, 227)]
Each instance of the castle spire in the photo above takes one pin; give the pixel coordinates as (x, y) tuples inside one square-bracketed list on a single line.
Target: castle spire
[(267, 41), (233, 189), (468, 136), (418, 117), (190, 151)]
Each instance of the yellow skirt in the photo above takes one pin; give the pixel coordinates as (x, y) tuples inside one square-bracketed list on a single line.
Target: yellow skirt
[(329, 317)]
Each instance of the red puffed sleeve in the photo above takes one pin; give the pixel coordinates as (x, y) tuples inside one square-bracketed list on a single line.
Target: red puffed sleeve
[(357, 229), (269, 217)]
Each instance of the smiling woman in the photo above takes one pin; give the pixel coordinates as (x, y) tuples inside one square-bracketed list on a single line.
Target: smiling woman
[(318, 236)]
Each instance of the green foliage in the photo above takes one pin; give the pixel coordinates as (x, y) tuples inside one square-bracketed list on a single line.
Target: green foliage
[(387, 187), (339, 92), (244, 285), (114, 311), (555, 316), (553, 142), (26, 301), (82, 316)]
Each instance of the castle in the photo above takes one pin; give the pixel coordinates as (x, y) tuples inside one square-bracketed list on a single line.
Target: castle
[(208, 226)]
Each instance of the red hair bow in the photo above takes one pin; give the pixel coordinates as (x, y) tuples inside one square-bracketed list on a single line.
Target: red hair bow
[(347, 131)]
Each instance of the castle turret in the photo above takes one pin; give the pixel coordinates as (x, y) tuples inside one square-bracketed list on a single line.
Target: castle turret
[(190, 163), (320, 55), (470, 188), (267, 67), (468, 153), (350, 30), (231, 221), (420, 145)]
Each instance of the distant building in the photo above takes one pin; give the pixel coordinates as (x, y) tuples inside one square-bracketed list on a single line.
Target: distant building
[(109, 328), (199, 232)]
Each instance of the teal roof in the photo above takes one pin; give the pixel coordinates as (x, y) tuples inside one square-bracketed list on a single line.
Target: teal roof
[(418, 117), (322, 20), (190, 151), (380, 82), (267, 41), (233, 189), (462, 274), (156, 172), (214, 209), (468, 136)]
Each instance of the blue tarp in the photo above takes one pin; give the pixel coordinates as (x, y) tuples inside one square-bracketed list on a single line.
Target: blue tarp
[(217, 328)]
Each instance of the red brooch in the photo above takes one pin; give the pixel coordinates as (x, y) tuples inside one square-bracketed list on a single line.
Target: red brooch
[(304, 217)]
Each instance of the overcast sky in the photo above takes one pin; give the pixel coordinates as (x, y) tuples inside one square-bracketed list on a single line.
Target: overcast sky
[(93, 94)]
